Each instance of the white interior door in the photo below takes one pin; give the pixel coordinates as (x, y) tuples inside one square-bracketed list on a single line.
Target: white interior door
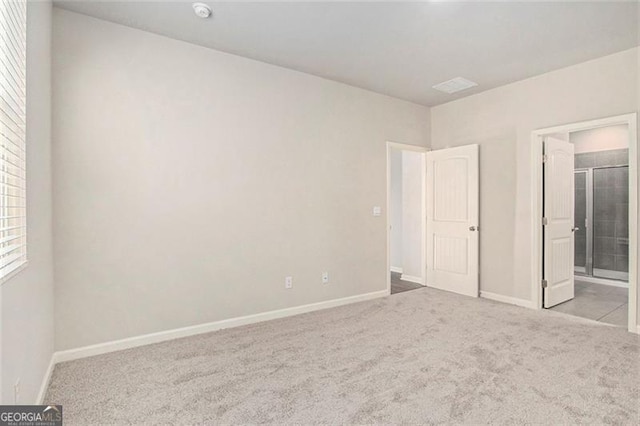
[(558, 222), (452, 219)]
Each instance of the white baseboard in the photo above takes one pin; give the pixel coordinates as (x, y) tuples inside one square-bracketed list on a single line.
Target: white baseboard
[(411, 278), (603, 281), (397, 269), (506, 299), (45, 380), (147, 339)]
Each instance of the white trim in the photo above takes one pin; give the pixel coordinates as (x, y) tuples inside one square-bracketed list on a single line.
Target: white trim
[(162, 336), (45, 380), (506, 299), (422, 150), (423, 262), (638, 329), (412, 279), (602, 281), (397, 269), (536, 205)]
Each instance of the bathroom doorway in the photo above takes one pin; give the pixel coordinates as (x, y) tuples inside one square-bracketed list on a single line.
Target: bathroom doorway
[(585, 200), (601, 223)]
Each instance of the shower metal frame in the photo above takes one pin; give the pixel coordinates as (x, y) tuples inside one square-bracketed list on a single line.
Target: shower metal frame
[(588, 183)]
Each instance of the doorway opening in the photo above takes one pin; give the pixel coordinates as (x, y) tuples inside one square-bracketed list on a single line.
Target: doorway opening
[(432, 225), (585, 204), (601, 173), (406, 217)]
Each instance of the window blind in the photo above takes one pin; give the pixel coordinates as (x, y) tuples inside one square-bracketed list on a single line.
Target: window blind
[(13, 220)]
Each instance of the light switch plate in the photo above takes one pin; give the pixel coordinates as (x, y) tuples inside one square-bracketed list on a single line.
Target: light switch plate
[(377, 211)]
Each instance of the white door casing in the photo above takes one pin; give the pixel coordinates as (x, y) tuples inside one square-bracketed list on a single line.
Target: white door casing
[(558, 221), (452, 219)]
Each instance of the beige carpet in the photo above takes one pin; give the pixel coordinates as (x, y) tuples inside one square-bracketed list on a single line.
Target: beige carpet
[(423, 356)]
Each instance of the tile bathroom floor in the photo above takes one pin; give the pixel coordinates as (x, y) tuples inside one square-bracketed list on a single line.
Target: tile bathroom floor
[(603, 303)]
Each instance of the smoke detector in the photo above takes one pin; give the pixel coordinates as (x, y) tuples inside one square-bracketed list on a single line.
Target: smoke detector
[(455, 85), (202, 10)]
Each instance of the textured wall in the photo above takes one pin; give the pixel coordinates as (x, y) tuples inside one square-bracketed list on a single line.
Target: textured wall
[(190, 182)]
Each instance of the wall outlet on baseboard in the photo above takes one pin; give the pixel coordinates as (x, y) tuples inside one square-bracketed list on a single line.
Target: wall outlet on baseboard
[(325, 278), (16, 392), (288, 282)]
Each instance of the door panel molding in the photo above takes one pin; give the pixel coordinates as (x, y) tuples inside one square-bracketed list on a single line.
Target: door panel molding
[(452, 219), (558, 228)]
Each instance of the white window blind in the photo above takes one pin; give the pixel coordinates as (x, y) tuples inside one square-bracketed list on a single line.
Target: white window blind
[(13, 220)]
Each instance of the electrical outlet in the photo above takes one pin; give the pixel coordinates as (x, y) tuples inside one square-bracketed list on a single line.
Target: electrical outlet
[(16, 392), (325, 278), (288, 282)]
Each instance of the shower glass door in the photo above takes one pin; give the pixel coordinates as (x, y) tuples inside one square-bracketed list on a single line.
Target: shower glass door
[(601, 219), (611, 222)]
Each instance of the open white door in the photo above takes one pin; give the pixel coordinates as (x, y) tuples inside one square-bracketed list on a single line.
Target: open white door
[(452, 219), (558, 222)]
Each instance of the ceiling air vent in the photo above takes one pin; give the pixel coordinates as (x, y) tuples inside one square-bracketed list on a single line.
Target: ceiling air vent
[(455, 85)]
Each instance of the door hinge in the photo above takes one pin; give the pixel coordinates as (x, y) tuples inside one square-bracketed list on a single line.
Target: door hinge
[(545, 221), (545, 157), (544, 283)]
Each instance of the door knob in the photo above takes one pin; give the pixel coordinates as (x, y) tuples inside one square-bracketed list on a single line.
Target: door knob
[(574, 229), (472, 228)]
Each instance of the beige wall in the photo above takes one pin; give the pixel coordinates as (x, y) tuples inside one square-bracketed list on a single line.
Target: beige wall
[(501, 121), (189, 183), (27, 298), (638, 153), (600, 139)]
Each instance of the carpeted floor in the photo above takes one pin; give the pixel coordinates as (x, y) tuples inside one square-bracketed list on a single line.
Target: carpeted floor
[(423, 356)]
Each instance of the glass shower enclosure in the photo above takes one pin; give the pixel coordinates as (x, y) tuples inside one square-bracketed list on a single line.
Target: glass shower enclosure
[(602, 222)]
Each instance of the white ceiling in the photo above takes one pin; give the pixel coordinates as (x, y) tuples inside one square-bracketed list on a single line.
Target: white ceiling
[(396, 48)]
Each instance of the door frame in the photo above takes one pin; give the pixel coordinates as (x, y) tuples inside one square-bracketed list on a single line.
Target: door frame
[(537, 138), (423, 259)]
